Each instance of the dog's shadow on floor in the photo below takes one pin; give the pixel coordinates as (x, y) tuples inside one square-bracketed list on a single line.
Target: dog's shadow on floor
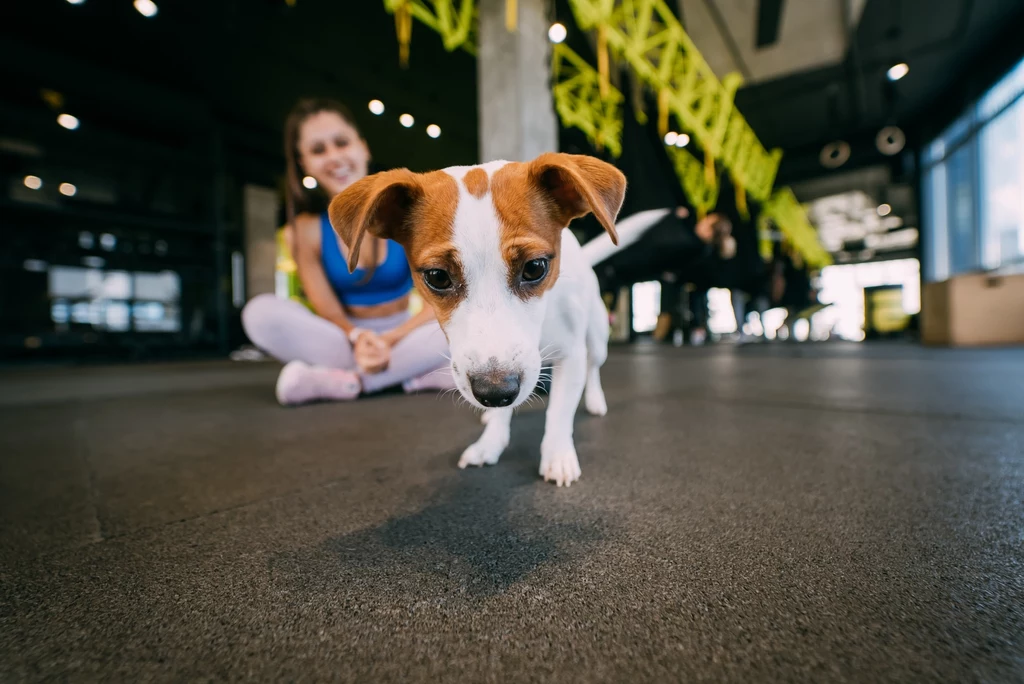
[(481, 532)]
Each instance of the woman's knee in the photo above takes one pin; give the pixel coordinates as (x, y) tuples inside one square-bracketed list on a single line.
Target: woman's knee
[(430, 339), (258, 315)]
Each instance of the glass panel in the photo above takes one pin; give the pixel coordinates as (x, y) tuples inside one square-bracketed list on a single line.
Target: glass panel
[(950, 138), (646, 306), (115, 316), (1002, 93), (117, 285), (102, 299), (1002, 188), (963, 252), (156, 317), (721, 315), (842, 287), (75, 282), (936, 223), (160, 287)]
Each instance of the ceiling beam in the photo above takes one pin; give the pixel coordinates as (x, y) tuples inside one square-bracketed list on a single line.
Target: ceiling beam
[(769, 18), (727, 37)]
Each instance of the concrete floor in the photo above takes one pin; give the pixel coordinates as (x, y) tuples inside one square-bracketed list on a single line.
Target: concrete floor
[(792, 513)]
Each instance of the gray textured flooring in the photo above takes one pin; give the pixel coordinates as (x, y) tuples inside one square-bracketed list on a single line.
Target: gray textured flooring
[(792, 513)]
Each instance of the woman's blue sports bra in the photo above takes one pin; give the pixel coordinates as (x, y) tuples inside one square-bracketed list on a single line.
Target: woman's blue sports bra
[(391, 279)]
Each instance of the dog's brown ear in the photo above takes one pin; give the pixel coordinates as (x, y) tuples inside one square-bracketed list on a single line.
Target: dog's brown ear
[(578, 184), (380, 204)]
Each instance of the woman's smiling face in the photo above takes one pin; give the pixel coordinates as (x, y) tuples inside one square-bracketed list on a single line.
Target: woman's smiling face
[(332, 151)]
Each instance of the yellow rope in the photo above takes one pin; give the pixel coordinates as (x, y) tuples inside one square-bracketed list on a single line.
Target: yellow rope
[(663, 111), (602, 60), (709, 166), (741, 201), (403, 26), (511, 15), (638, 103)]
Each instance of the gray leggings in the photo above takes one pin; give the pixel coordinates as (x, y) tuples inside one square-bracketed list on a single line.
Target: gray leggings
[(289, 331)]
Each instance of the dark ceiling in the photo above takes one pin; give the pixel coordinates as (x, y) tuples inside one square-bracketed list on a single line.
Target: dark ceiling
[(954, 49), (209, 82), (239, 65), (242, 63)]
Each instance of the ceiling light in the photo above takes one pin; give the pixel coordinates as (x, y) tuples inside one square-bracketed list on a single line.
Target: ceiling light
[(557, 33), (67, 189), (434, 131), (835, 154), (670, 138), (33, 182), (890, 140), (309, 183), (884, 210), (76, 2), (407, 120), (67, 121), (377, 107), (897, 71), (683, 140), (146, 8)]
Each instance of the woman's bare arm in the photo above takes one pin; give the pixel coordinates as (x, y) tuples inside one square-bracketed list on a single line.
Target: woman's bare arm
[(312, 276)]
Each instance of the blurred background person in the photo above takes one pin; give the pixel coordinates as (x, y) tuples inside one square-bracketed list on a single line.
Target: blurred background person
[(715, 232), (355, 332)]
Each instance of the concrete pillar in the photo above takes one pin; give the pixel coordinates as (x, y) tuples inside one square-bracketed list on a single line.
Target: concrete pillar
[(517, 114), (261, 207)]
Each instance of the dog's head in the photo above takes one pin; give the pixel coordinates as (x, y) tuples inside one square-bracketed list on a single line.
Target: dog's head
[(483, 243)]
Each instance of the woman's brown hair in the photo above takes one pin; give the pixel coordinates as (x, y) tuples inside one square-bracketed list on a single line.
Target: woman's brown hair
[(297, 198)]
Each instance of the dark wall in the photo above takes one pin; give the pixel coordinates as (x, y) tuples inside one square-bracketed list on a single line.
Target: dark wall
[(178, 113)]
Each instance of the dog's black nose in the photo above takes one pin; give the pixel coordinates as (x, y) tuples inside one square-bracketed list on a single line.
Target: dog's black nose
[(495, 388)]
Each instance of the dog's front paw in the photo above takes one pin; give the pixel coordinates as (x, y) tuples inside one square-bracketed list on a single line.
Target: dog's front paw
[(480, 454), (559, 465)]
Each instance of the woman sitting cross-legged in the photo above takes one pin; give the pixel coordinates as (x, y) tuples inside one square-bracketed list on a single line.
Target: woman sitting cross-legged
[(360, 336)]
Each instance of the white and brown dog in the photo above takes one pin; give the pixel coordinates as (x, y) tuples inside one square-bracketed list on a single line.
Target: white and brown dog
[(512, 289)]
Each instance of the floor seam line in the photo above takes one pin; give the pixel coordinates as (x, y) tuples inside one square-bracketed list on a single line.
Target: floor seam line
[(828, 409), (82, 450)]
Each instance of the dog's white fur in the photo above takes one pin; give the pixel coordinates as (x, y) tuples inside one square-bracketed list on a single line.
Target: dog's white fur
[(567, 326)]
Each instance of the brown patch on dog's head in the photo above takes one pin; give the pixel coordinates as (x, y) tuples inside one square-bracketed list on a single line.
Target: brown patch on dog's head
[(529, 227), (535, 201), (476, 182), (413, 209)]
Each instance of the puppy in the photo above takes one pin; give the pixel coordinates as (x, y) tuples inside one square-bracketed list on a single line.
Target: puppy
[(512, 288)]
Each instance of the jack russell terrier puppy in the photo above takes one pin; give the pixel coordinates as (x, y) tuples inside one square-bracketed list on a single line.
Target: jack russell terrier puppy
[(511, 287)]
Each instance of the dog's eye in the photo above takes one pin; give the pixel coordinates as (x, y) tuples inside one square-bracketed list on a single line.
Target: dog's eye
[(534, 270), (437, 279)]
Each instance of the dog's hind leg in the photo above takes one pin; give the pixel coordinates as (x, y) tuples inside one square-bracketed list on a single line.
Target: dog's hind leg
[(597, 354), (593, 396), (488, 449)]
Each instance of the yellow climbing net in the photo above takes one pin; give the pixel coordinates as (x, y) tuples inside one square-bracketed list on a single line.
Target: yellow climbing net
[(454, 21), (647, 37), (783, 209), (579, 104), (692, 174)]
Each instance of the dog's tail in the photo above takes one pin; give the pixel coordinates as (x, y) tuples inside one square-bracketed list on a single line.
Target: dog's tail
[(630, 229)]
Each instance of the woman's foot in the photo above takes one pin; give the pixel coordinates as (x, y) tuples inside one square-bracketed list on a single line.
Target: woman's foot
[(441, 379), (300, 383)]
